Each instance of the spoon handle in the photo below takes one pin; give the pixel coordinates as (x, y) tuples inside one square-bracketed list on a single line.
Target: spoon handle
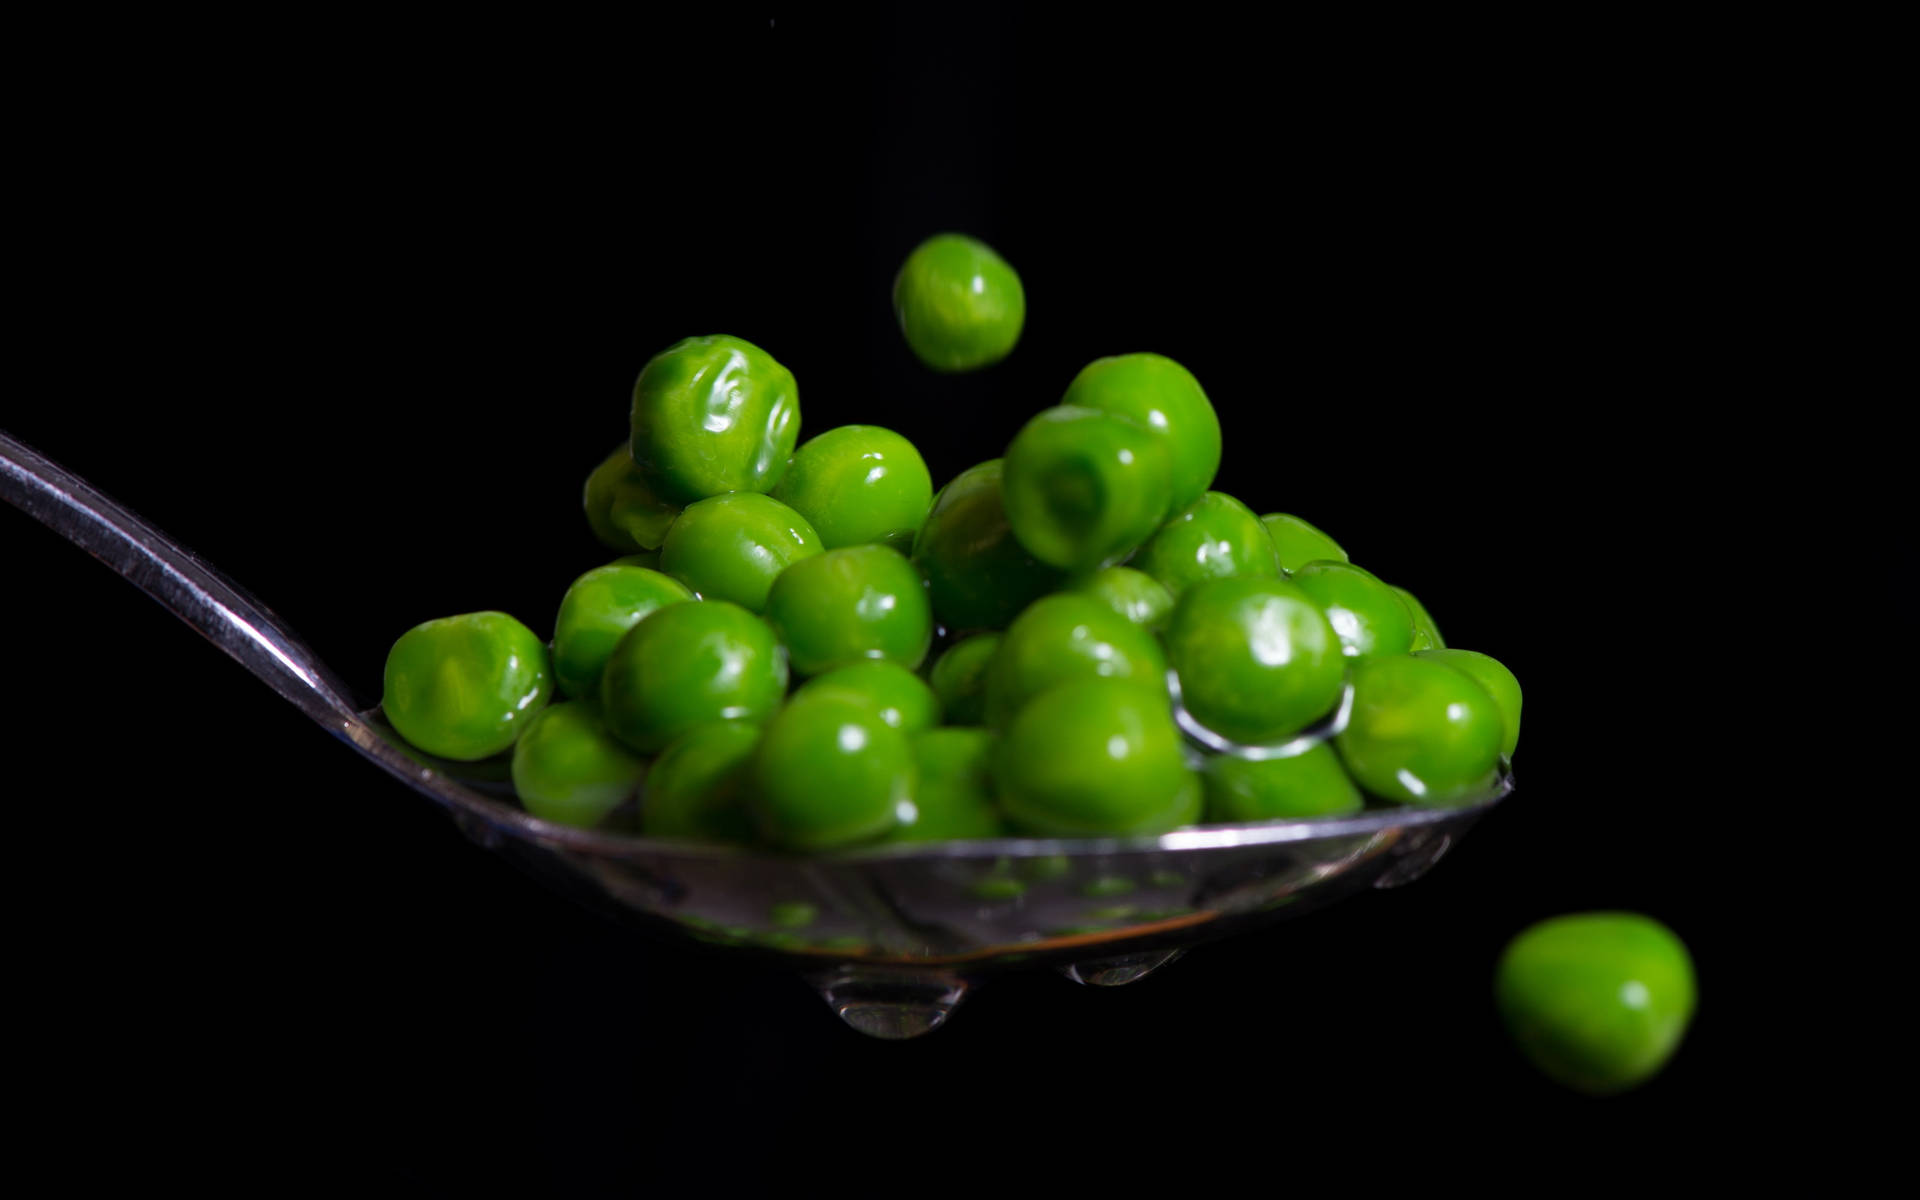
[(189, 588)]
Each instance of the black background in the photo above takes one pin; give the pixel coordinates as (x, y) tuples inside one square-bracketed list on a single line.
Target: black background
[(352, 314)]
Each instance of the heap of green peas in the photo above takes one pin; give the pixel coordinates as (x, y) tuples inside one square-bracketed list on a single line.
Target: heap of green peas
[(804, 647)]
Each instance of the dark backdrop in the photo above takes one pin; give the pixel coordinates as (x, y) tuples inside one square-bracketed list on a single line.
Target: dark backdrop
[(352, 314)]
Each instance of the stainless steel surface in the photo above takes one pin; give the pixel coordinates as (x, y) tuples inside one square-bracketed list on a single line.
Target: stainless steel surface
[(891, 935)]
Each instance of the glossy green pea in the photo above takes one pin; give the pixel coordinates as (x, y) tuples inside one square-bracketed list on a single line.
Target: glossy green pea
[(1256, 658), (859, 484), (829, 773), (713, 415), (1369, 618), (959, 678), (1100, 756), (851, 604), (1135, 595), (686, 664), (1156, 392), (464, 687), (1064, 637), (1084, 487), (733, 547), (954, 798), (698, 786), (959, 304), (884, 688), (597, 499), (1420, 732), (495, 768), (568, 769), (650, 559), (978, 574), (1298, 543), (1491, 674), (1213, 538), (596, 613), (622, 508), (1310, 784), (1426, 634), (1597, 1001)]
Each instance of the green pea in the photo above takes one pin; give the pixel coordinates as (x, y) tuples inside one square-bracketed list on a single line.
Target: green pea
[(1064, 637), (1499, 683), (1420, 732), (1298, 543), (713, 415), (495, 768), (687, 664), (1135, 595), (464, 687), (1309, 784), (596, 613), (568, 769), (978, 574), (1214, 537), (1160, 394), (1083, 487), (959, 678), (884, 688), (622, 508), (1597, 1001), (1099, 756), (859, 484), (960, 305), (650, 559), (733, 547), (597, 499), (829, 773), (851, 604), (1426, 634), (954, 798), (1256, 659), (698, 786), (1369, 618)]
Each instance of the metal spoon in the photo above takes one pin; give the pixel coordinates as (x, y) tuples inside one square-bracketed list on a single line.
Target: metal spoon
[(891, 936)]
